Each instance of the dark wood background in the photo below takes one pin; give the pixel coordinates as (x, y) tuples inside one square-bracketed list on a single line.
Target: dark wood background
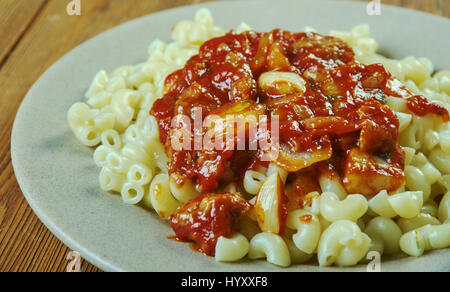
[(33, 35)]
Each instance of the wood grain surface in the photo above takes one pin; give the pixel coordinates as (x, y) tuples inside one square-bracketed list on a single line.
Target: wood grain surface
[(33, 35)]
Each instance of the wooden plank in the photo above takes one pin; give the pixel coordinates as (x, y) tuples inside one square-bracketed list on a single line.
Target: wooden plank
[(2, 213), (48, 32), (15, 17), (426, 6), (445, 8)]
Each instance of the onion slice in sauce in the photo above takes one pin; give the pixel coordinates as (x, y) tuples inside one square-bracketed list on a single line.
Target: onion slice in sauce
[(294, 161), (270, 205)]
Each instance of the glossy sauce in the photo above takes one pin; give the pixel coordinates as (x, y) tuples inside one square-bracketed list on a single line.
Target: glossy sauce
[(206, 218), (342, 115), (421, 106)]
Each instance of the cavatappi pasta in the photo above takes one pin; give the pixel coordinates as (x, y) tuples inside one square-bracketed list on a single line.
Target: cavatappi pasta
[(336, 219)]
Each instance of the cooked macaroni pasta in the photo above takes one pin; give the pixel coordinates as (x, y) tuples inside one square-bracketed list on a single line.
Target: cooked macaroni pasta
[(231, 249), (342, 243)]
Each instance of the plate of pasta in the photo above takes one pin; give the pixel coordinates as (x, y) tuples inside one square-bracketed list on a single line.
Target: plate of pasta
[(289, 138)]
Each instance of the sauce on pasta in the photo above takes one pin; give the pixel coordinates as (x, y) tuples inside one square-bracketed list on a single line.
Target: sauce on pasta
[(206, 218), (338, 123), (421, 106)]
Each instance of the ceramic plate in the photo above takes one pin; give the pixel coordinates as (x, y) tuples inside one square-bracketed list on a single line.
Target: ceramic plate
[(60, 181)]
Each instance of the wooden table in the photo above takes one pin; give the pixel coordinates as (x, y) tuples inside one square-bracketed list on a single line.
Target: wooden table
[(33, 35)]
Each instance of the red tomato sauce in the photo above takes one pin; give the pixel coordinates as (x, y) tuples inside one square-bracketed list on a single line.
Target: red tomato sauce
[(342, 95), (342, 114), (421, 106), (206, 218)]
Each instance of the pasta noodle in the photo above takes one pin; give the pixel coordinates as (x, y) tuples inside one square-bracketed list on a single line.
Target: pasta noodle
[(430, 207), (160, 196), (440, 159), (139, 174), (389, 232), (100, 154), (416, 181), (376, 243), (183, 193), (404, 120), (420, 220), (253, 180), (352, 208), (332, 185), (431, 173), (342, 243), (405, 204), (308, 229), (111, 181), (132, 193), (444, 208), (110, 138), (415, 242), (231, 249), (272, 247), (444, 141)]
